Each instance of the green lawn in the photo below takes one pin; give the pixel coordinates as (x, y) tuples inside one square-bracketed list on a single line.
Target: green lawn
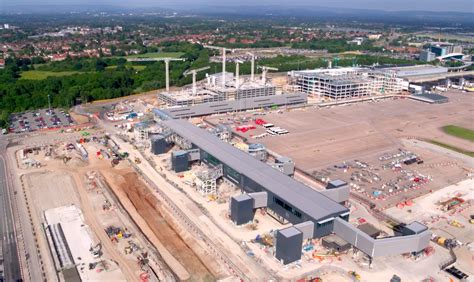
[(157, 55), (453, 148), (39, 75), (459, 132)]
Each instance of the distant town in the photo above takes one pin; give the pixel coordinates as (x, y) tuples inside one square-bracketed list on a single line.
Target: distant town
[(232, 145)]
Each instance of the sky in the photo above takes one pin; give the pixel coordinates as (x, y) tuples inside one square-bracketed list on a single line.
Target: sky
[(389, 5)]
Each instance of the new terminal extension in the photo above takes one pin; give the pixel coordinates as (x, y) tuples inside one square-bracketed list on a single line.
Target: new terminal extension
[(314, 214)]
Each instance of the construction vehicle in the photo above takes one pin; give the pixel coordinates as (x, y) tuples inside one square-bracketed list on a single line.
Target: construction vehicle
[(212, 197), (355, 275), (444, 242), (96, 250), (456, 223)]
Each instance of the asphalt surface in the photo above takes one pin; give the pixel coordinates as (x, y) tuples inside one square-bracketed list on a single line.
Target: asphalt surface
[(39, 119), (11, 262)]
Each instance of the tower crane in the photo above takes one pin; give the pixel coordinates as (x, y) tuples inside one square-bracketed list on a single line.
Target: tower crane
[(167, 65), (252, 66), (265, 69), (237, 73), (223, 50), (194, 72)]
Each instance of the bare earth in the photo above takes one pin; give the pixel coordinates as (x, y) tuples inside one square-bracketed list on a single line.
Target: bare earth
[(148, 207)]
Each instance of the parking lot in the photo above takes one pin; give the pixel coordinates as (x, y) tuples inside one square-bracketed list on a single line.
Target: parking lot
[(40, 119)]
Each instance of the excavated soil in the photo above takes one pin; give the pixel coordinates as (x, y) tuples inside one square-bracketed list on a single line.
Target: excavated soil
[(148, 207)]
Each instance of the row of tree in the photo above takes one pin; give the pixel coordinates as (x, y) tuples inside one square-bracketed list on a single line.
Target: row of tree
[(95, 82)]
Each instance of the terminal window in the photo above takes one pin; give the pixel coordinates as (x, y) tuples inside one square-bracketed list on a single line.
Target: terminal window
[(211, 159), (232, 173), (287, 207)]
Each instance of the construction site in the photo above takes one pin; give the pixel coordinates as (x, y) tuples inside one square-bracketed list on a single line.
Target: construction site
[(365, 144), (257, 184), (344, 83), (121, 235)]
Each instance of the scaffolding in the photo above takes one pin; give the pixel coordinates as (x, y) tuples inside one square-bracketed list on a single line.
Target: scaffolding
[(182, 143), (344, 83), (206, 180), (386, 82)]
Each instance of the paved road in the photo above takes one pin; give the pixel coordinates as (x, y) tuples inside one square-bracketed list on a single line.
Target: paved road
[(9, 244)]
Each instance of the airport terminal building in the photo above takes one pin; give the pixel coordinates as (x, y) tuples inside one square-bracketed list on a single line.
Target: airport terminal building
[(312, 213), (287, 199)]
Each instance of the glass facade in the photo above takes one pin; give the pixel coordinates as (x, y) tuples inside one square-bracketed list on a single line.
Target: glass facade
[(287, 207)]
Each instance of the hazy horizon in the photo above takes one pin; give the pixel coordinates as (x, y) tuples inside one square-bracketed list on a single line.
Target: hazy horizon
[(400, 5)]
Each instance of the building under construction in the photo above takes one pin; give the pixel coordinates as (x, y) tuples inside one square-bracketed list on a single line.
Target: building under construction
[(344, 83), (214, 91), (225, 92)]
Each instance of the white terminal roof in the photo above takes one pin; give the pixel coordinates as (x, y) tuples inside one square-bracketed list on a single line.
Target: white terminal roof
[(339, 76), (417, 70), (295, 193), (333, 71)]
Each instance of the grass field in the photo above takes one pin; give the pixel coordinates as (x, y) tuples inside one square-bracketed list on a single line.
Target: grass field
[(38, 75), (157, 55), (459, 132), (453, 148)]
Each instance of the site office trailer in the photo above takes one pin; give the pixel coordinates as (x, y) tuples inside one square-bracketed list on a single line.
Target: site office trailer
[(322, 226)]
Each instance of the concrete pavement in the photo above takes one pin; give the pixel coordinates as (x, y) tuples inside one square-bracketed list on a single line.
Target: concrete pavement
[(7, 229)]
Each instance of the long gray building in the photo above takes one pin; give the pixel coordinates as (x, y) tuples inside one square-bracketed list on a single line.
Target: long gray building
[(287, 198), (243, 104), (313, 214)]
